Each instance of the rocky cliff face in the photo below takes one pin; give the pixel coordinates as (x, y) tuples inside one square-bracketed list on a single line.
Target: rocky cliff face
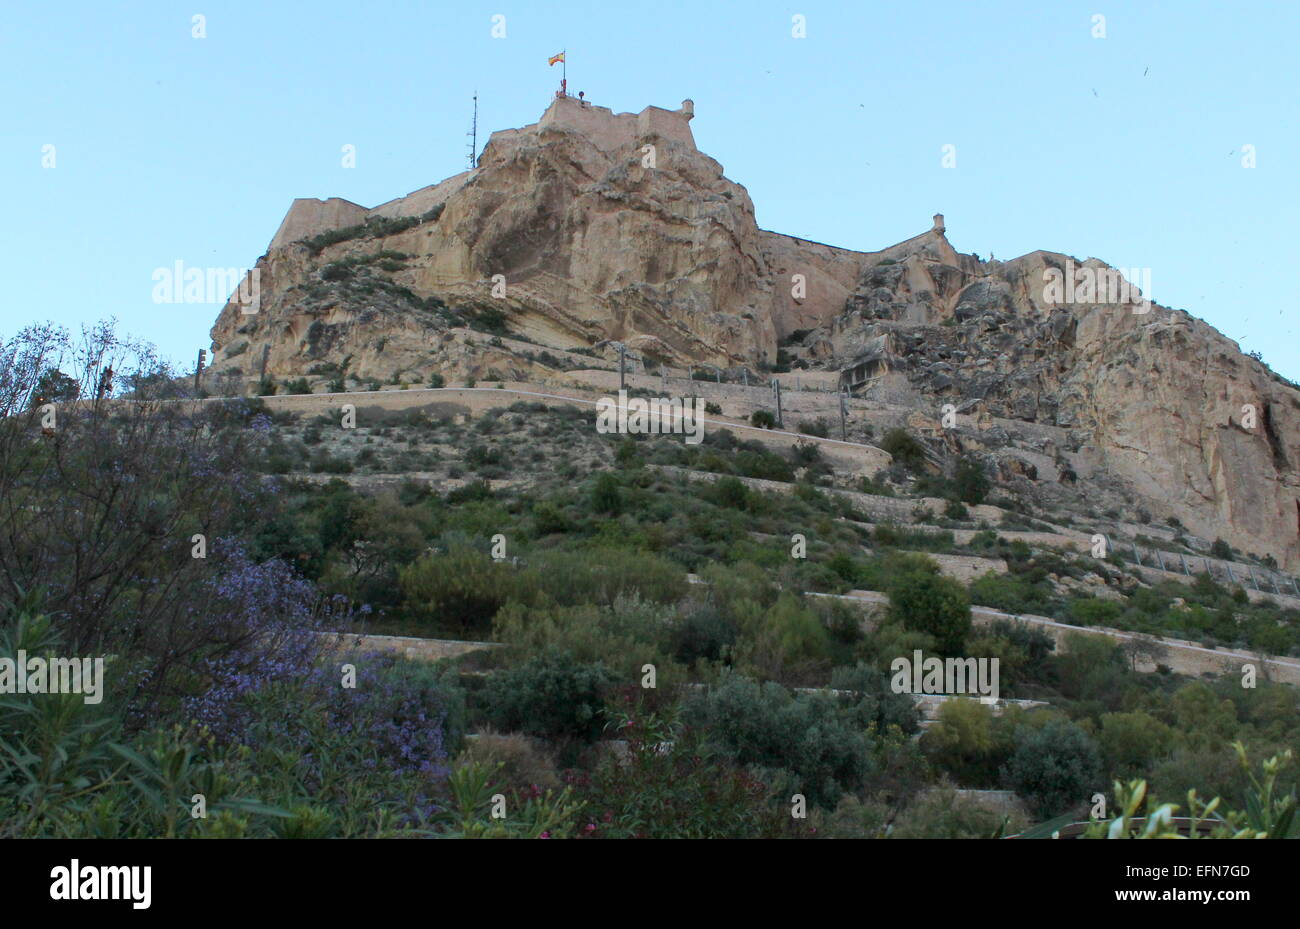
[(591, 226)]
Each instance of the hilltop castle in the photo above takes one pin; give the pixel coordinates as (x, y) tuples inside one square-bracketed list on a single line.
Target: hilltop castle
[(607, 130)]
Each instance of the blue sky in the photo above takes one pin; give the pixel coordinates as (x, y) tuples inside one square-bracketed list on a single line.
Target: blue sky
[(1128, 148)]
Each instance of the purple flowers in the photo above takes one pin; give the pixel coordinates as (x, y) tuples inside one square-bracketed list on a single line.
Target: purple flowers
[(267, 612)]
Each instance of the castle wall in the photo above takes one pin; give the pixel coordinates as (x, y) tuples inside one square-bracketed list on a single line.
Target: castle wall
[(668, 123), (309, 216), (611, 131), (421, 201)]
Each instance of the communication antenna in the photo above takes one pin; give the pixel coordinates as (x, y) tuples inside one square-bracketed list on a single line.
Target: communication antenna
[(473, 136)]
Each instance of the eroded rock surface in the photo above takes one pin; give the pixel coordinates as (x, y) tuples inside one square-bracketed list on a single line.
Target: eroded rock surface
[(591, 226)]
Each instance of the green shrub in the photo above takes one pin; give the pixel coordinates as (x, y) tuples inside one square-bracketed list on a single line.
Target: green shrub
[(701, 632), (727, 492), (904, 448), (943, 813), (1009, 592), (798, 744), (962, 742), (606, 496), (763, 465), (624, 635), (551, 695), (1094, 611), (971, 483), (1091, 667), (1055, 768), (785, 641), (819, 427), (461, 590), (922, 600), (1131, 743), (674, 784), (549, 519)]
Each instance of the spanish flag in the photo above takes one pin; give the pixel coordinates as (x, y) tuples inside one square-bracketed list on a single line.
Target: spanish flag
[(554, 58)]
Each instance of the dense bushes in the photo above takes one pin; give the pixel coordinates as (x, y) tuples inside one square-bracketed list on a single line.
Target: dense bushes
[(923, 600), (970, 482), (801, 743), (904, 448), (217, 690), (1056, 768), (299, 756), (551, 695), (674, 784), (462, 589)]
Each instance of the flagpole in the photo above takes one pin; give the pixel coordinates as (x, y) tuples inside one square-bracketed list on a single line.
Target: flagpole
[(564, 70)]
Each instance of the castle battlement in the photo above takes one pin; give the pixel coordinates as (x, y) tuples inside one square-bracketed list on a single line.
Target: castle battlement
[(611, 131)]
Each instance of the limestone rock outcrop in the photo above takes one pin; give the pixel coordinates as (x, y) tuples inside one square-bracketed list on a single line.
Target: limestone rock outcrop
[(590, 227)]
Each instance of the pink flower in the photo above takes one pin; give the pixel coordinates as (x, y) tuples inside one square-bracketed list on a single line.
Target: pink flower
[(545, 835)]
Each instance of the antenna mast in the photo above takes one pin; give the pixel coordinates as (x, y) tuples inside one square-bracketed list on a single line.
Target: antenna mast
[(473, 136)]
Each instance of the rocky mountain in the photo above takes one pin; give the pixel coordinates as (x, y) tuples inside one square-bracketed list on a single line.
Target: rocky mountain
[(590, 228)]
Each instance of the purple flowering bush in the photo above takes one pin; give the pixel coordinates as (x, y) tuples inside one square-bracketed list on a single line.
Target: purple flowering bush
[(375, 753), (263, 619), (128, 509)]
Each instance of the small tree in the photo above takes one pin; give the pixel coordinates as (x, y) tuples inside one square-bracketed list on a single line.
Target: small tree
[(971, 482), (605, 496), (1054, 768), (922, 600), (56, 387), (904, 448)]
